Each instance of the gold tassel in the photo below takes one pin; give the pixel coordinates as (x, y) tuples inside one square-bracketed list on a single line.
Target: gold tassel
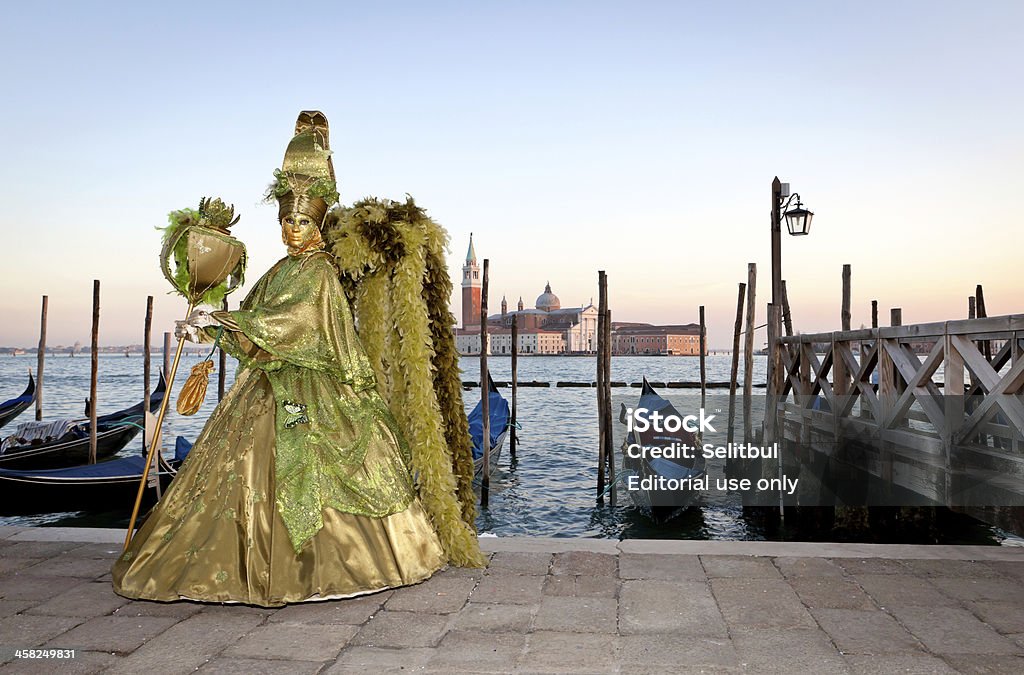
[(194, 390)]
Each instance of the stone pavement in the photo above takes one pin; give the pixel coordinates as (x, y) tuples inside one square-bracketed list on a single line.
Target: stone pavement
[(546, 606)]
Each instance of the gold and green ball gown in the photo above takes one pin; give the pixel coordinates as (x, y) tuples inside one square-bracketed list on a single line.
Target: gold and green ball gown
[(299, 486)]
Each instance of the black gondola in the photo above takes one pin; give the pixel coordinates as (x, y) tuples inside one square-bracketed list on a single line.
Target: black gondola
[(14, 407), (113, 432), (662, 504), (498, 411), (102, 486)]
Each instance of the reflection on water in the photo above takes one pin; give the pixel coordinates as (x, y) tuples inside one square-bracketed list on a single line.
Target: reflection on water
[(549, 490)]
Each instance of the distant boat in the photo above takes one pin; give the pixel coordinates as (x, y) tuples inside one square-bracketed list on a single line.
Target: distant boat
[(498, 411), (113, 432), (108, 485), (662, 505), (14, 407)]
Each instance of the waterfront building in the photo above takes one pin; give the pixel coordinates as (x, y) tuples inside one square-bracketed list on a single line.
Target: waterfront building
[(667, 340)]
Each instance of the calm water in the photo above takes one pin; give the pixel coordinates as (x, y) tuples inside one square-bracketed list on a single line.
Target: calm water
[(548, 491)]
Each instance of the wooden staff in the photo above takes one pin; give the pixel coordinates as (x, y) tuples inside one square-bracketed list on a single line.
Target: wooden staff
[(159, 424), (485, 392), (515, 383), (222, 363), (41, 358), (748, 354), (95, 368), (734, 371)]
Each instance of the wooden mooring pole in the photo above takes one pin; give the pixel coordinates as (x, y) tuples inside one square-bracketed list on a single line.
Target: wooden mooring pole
[(485, 393), (95, 368), (41, 358), (874, 313), (734, 373), (703, 364), (602, 442), (845, 313), (971, 307), (167, 359), (748, 354), (609, 445), (147, 334), (515, 386), (787, 316)]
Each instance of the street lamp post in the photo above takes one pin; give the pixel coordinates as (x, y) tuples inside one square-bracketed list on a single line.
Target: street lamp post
[(798, 222)]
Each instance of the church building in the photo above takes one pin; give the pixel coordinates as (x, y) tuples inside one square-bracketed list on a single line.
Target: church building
[(547, 328)]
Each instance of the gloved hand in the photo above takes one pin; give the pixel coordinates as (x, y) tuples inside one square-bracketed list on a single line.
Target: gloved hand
[(189, 329)]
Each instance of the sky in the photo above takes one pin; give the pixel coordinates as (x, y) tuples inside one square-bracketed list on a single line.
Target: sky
[(638, 138)]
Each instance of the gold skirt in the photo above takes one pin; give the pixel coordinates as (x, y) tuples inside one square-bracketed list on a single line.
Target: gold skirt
[(217, 536)]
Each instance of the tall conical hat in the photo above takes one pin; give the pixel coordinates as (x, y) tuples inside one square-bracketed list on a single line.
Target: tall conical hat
[(305, 182)]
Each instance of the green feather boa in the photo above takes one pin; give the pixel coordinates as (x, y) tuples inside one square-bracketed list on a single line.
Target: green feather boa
[(391, 259)]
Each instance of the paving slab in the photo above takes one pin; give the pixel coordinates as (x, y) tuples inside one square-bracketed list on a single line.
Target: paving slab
[(661, 566), (1004, 617), (493, 618), (69, 566), (120, 634), (84, 663), (831, 592), (581, 586), (760, 603), (742, 567), (85, 599), (402, 629), (520, 562), (509, 589), (908, 664), (557, 652), (789, 651), (967, 588), (350, 610), (232, 665), (950, 630), (293, 641), (577, 615), (31, 587), (903, 589), (472, 651), (187, 645), (656, 606), (438, 595), (983, 664), (178, 610), (668, 652), (585, 563), (799, 568), (869, 632), (358, 660)]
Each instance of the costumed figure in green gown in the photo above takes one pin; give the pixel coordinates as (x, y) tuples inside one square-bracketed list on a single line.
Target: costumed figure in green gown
[(301, 485)]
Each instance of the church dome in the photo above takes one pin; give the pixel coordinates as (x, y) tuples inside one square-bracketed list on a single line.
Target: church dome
[(548, 301)]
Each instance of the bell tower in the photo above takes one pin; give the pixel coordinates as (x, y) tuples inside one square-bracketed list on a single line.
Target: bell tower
[(472, 285)]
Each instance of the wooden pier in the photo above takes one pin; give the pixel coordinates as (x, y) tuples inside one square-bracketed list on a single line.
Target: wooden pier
[(936, 408)]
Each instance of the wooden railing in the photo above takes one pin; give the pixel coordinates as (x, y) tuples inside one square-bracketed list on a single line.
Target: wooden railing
[(938, 407)]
